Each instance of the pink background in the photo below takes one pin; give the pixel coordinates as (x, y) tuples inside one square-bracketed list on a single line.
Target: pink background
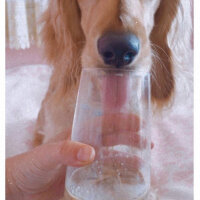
[(29, 56)]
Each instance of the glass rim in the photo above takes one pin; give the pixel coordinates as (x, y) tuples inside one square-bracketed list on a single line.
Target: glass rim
[(103, 69)]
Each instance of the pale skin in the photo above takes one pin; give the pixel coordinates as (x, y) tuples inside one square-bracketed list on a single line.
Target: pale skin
[(40, 173)]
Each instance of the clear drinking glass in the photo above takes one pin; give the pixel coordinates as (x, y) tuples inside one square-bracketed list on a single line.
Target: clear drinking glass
[(112, 115)]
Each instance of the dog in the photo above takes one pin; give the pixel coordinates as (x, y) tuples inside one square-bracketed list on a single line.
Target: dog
[(79, 33), (152, 35)]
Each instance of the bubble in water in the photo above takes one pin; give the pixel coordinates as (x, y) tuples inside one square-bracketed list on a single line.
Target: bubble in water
[(78, 188)]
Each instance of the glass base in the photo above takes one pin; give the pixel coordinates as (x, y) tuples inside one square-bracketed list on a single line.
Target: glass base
[(68, 197), (97, 182)]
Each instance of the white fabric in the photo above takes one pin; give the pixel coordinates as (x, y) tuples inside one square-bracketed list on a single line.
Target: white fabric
[(22, 25), (25, 89), (172, 132)]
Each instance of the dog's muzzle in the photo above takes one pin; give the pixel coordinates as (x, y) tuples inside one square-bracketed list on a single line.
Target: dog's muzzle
[(118, 49)]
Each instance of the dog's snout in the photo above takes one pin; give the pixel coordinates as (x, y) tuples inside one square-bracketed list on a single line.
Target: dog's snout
[(118, 49)]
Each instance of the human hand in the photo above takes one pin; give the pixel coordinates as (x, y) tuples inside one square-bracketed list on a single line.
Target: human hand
[(114, 129), (122, 130), (40, 174)]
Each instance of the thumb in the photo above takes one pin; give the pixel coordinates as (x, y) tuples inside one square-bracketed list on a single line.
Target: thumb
[(49, 156), (32, 169)]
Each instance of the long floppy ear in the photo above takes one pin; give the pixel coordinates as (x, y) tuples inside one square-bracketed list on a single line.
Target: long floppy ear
[(63, 41), (162, 79)]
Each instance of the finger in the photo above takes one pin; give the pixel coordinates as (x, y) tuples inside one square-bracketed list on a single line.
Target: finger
[(122, 122), (152, 145), (119, 160), (94, 131), (124, 138), (49, 156)]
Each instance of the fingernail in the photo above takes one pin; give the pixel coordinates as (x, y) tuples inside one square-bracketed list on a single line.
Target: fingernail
[(86, 154)]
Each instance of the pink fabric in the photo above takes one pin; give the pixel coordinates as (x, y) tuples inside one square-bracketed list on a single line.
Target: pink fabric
[(172, 131)]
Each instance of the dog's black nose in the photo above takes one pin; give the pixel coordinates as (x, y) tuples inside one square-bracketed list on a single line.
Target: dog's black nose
[(118, 49)]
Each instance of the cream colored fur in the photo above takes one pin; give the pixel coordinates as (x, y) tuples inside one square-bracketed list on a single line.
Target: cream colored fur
[(70, 33)]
